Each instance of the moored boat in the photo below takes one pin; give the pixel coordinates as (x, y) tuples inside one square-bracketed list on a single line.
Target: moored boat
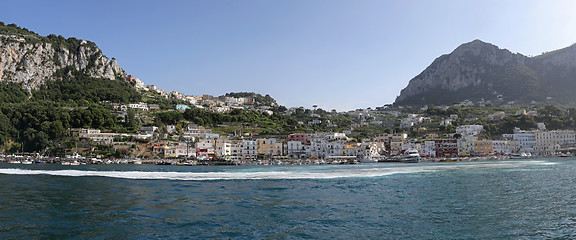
[(411, 156), (368, 159)]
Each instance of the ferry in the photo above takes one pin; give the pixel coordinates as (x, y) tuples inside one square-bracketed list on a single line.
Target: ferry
[(411, 156)]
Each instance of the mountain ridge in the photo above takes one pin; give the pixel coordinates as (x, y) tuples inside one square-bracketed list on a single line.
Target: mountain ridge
[(478, 70)]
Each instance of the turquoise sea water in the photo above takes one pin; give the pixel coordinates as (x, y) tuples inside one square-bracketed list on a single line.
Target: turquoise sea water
[(530, 199)]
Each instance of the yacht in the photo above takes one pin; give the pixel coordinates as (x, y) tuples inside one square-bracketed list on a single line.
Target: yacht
[(411, 156), (522, 155)]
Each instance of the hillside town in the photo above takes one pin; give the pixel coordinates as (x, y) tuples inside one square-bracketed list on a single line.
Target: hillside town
[(200, 143), (193, 142), (388, 133)]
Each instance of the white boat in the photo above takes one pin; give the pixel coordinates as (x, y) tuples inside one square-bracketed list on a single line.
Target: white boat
[(521, 155), (368, 159), (411, 156)]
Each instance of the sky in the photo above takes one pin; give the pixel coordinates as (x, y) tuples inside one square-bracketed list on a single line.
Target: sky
[(337, 54)]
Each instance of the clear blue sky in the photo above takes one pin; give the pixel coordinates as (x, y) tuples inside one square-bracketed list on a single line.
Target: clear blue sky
[(338, 54)]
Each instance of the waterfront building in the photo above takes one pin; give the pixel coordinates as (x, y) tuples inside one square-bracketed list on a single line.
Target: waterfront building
[(428, 149), (505, 146), (205, 148), (392, 141), (295, 149), (268, 147), (236, 149), (482, 147), (334, 148), (223, 148), (549, 142), (446, 147), (525, 138), (250, 149), (466, 145), (173, 150), (361, 150)]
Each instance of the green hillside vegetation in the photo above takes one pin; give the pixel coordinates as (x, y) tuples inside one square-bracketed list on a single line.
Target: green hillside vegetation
[(516, 82), (15, 30), (41, 121), (35, 121), (552, 116), (75, 87), (59, 41), (440, 96)]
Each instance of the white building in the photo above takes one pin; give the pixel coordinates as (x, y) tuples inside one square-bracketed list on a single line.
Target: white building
[(223, 148), (140, 106), (171, 129), (177, 150), (428, 149), (505, 146), (549, 142), (205, 144), (236, 148), (250, 149), (469, 130), (149, 129), (361, 150), (526, 139), (295, 149), (98, 137)]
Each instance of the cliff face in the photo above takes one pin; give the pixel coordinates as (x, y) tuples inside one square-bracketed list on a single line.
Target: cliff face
[(465, 67), (479, 70), (33, 62)]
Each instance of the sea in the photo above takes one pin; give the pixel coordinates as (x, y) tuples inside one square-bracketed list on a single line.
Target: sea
[(505, 199)]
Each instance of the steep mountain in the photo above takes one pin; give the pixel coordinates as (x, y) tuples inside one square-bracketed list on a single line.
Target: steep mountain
[(479, 70), (31, 59)]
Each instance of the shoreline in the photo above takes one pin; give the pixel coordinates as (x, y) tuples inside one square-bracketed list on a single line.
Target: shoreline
[(27, 160)]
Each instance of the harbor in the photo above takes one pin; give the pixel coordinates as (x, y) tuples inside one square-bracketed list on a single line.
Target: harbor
[(79, 160)]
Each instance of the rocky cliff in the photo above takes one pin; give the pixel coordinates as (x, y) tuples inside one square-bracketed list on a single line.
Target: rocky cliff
[(30, 59), (479, 70)]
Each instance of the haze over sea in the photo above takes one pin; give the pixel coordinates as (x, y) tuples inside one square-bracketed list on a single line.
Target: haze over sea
[(462, 200)]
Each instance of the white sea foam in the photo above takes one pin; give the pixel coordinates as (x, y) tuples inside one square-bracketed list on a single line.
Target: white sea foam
[(326, 174), (312, 173)]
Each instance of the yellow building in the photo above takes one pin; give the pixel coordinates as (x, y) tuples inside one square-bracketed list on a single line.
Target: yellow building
[(269, 147), (483, 147)]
